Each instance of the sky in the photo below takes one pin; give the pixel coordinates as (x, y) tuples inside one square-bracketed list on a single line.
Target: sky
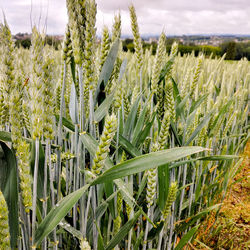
[(175, 17)]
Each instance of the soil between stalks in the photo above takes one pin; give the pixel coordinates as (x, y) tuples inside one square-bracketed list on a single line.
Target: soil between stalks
[(232, 228)]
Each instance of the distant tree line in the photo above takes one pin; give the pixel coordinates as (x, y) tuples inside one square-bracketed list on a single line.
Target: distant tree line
[(235, 51), (26, 43)]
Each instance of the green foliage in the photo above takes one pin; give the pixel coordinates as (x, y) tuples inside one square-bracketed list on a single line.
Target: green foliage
[(231, 51), (25, 43), (49, 40), (236, 51)]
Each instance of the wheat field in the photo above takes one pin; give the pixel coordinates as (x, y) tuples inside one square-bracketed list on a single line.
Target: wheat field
[(106, 149)]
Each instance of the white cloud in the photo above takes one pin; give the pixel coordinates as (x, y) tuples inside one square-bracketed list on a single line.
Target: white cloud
[(174, 16)]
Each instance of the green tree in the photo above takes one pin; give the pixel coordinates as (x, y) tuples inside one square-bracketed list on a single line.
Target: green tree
[(231, 51)]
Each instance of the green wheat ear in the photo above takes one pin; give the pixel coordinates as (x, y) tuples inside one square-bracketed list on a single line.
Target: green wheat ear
[(37, 86), (77, 16), (171, 198), (49, 100), (197, 72), (116, 29), (105, 142), (158, 62), (88, 66), (137, 38), (23, 153), (22, 149), (105, 46), (7, 72), (4, 224), (169, 100), (164, 132), (152, 181), (67, 46)]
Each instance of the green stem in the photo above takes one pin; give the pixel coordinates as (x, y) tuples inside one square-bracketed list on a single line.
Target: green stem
[(45, 186), (146, 230), (52, 192), (35, 191)]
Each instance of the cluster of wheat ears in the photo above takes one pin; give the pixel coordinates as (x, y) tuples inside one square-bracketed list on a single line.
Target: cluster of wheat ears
[(102, 149)]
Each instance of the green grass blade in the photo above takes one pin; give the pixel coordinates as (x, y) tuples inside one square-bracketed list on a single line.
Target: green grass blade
[(147, 161), (73, 105), (91, 145), (139, 240), (145, 132), (193, 219), (155, 231), (185, 239), (100, 210), (5, 136), (57, 213), (139, 125), (66, 123), (122, 69), (123, 232), (107, 68), (142, 185), (128, 147), (109, 190), (196, 104), (8, 186), (180, 106), (129, 125), (176, 92), (40, 179), (163, 182), (206, 158), (176, 136), (66, 226), (199, 128), (218, 158), (190, 118), (167, 67), (73, 68), (100, 243), (103, 109), (222, 111)]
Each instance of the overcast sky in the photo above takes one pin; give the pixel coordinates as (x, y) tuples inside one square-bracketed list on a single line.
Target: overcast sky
[(176, 17)]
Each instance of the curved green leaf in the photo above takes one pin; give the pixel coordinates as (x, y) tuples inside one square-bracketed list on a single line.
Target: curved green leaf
[(5, 136), (91, 145), (145, 132), (199, 128), (66, 123), (196, 104), (8, 186), (218, 158), (185, 239), (144, 162), (66, 226), (128, 146), (107, 67), (40, 180), (103, 109), (73, 105), (57, 213), (129, 125), (155, 231), (123, 232), (167, 67)]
